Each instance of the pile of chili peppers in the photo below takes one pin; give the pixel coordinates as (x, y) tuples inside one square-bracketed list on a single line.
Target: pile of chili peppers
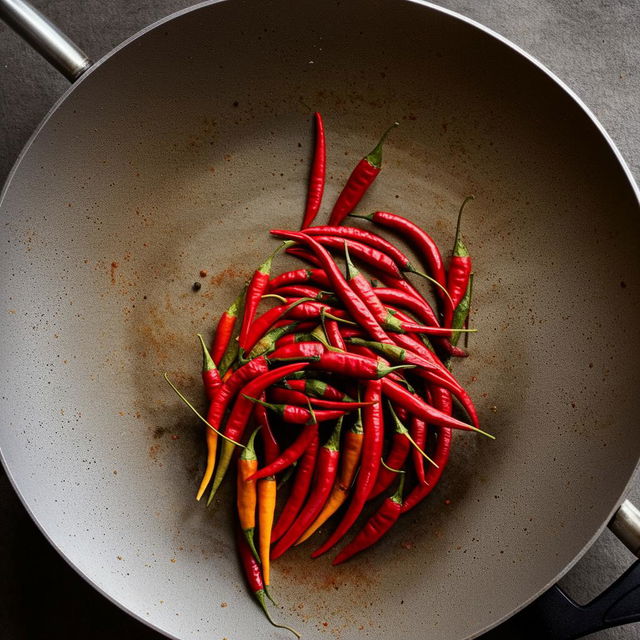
[(342, 389)]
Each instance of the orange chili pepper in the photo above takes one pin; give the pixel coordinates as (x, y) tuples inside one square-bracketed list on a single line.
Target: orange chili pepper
[(212, 382), (266, 511), (247, 492), (350, 457)]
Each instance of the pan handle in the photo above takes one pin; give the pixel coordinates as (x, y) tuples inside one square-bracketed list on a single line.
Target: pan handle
[(555, 616), (45, 38)]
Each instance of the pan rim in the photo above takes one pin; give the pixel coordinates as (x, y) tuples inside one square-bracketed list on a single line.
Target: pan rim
[(437, 9)]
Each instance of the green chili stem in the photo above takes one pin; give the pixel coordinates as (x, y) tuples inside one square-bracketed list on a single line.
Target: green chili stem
[(173, 386)]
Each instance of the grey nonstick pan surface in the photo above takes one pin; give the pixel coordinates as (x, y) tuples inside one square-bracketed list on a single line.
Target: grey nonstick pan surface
[(178, 152)]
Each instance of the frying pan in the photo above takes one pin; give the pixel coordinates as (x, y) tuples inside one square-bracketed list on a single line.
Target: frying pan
[(178, 152)]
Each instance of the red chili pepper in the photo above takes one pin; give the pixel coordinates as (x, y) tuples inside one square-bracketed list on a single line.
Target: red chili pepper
[(299, 276), (298, 351), (290, 454), (459, 270), (253, 576), (269, 340), (269, 442), (324, 477), (295, 414), (307, 310), (257, 288), (419, 407), (240, 414), (442, 400), (400, 447), (210, 374), (418, 238), (418, 431), (302, 291), (224, 328), (262, 324), (359, 181), (369, 465), (317, 177), (299, 490), (334, 336), (304, 254), (317, 389), (369, 255), (379, 523), (366, 237), (356, 308), (289, 396)]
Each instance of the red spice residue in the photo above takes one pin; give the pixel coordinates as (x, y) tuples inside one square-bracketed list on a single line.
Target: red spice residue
[(114, 266), (203, 273)]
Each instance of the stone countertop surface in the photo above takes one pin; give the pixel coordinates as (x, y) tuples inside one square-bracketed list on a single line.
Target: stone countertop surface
[(592, 45)]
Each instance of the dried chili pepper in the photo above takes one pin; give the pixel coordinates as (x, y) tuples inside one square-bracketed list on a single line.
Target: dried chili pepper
[(379, 523), (317, 176), (359, 181)]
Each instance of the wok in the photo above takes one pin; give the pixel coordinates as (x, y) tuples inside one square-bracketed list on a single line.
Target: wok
[(178, 152)]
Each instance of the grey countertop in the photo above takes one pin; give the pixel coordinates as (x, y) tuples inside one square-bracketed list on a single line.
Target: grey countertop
[(592, 45)]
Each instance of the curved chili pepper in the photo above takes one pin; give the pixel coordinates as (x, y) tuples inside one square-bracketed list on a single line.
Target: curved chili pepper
[(317, 389), (418, 238), (459, 270), (461, 313), (212, 382), (400, 447), (369, 255), (291, 453), (368, 238), (263, 324), (269, 340), (418, 431), (317, 176), (299, 490), (325, 474), (304, 254), (334, 336), (253, 576), (295, 414), (298, 351), (240, 413), (352, 303), (359, 181), (247, 497), (281, 395), (302, 291), (440, 456), (257, 288), (269, 442), (371, 452), (351, 450), (379, 523), (419, 407), (266, 493), (224, 328), (299, 276)]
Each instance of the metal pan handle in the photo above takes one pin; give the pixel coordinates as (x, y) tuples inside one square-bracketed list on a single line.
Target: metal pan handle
[(45, 38), (555, 616)]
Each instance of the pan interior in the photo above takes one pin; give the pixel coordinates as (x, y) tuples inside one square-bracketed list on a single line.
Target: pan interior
[(179, 153)]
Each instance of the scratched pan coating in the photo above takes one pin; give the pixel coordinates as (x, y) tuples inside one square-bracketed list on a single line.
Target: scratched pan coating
[(177, 153)]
